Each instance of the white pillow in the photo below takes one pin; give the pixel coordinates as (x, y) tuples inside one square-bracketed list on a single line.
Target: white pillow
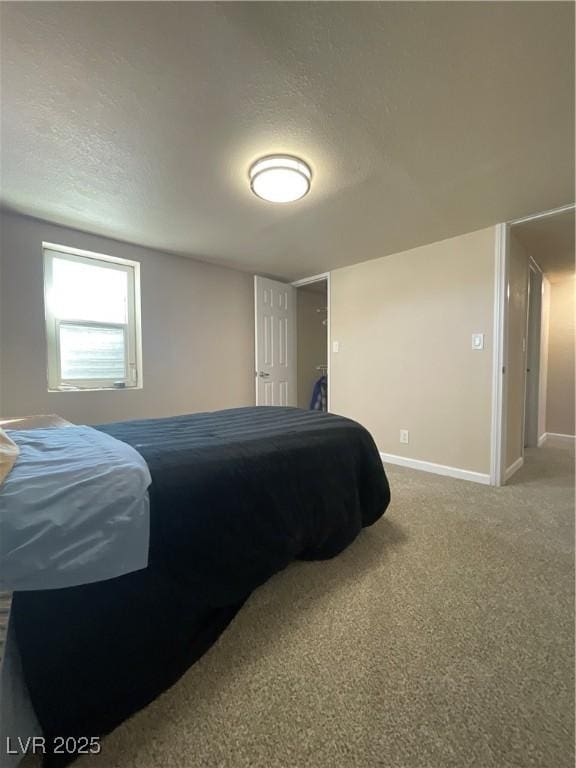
[(9, 452)]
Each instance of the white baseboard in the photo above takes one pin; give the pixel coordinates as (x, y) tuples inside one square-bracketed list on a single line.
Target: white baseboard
[(556, 437), (436, 469), (513, 468)]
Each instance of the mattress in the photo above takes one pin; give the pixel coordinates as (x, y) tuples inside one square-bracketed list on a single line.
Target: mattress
[(236, 495)]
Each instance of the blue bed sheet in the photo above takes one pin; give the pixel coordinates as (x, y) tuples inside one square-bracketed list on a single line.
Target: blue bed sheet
[(73, 510)]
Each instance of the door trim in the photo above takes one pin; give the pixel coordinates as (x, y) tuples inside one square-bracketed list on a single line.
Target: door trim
[(544, 214), (498, 433), (255, 342), (316, 279)]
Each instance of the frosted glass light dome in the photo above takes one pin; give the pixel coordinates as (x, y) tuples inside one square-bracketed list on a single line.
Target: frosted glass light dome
[(280, 178)]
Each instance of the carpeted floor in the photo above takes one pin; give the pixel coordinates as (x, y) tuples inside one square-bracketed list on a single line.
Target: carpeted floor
[(442, 638)]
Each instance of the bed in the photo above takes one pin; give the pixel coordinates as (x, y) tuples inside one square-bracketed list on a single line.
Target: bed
[(235, 496)]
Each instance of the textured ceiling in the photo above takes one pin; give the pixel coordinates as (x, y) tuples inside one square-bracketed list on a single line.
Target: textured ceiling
[(420, 121), (550, 242)]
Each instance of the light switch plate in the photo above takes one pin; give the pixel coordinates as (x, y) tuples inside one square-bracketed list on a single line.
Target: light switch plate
[(477, 341), (335, 346), (403, 435)]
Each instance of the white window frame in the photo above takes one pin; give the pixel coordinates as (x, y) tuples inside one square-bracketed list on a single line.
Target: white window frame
[(132, 329)]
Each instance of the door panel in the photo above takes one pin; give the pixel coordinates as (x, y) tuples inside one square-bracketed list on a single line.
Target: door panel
[(283, 393), (533, 359), (275, 315), (268, 392)]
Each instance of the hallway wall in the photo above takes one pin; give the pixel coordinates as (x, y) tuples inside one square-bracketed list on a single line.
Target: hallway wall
[(560, 409)]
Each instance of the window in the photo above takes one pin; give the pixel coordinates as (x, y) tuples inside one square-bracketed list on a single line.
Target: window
[(92, 307)]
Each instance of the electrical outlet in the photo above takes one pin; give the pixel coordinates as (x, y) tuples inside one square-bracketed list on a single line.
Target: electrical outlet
[(403, 435)]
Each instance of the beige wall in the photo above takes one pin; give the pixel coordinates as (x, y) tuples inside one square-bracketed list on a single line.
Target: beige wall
[(404, 325), (197, 332), (516, 349), (312, 341), (561, 341)]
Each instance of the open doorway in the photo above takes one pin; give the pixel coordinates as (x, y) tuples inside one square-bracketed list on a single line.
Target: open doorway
[(537, 309), (292, 331), (312, 338)]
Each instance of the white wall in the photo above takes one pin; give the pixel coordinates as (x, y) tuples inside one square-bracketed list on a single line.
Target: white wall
[(197, 332), (404, 325)]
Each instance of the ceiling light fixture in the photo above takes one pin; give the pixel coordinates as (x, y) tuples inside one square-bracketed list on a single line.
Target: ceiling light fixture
[(280, 178)]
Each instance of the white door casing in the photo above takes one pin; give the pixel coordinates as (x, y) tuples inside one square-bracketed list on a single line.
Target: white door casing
[(275, 321)]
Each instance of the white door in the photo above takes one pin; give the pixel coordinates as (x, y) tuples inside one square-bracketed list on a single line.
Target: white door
[(275, 314), (531, 415)]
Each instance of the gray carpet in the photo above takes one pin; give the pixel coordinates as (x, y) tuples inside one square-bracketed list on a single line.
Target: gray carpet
[(442, 638)]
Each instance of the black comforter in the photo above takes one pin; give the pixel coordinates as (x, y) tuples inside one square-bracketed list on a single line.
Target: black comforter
[(236, 495)]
